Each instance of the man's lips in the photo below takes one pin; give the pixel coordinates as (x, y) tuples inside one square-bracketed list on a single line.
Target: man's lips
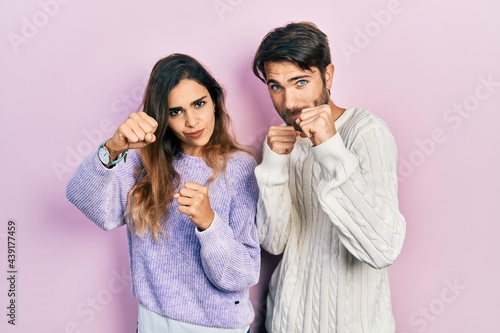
[(195, 134), (290, 121)]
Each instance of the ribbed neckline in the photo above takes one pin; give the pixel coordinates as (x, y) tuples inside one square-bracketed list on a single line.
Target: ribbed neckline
[(344, 117), (190, 161)]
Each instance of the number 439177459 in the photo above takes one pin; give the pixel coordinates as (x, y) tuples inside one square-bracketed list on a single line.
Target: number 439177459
[(11, 254)]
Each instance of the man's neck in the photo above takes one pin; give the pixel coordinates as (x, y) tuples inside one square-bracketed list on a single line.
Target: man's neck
[(336, 111)]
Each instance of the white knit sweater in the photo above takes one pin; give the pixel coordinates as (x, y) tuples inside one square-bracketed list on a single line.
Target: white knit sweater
[(332, 210)]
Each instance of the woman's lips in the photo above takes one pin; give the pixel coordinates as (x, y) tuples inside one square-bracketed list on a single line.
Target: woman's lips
[(196, 134)]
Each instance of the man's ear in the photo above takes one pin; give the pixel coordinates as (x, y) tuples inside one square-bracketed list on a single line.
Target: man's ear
[(329, 76)]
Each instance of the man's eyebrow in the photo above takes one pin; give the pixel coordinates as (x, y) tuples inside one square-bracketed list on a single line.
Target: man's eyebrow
[(295, 78), (272, 81), (299, 77)]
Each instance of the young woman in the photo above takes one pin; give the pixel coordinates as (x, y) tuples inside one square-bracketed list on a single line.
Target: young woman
[(175, 176)]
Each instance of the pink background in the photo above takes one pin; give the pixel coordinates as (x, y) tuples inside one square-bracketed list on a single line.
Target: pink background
[(70, 72)]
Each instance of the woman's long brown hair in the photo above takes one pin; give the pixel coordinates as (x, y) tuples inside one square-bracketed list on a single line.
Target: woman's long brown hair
[(157, 180)]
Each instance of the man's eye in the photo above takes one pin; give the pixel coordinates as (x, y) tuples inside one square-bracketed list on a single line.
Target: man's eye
[(301, 82), (275, 87), (200, 104)]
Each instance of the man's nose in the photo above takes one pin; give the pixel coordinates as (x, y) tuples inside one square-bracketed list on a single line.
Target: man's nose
[(290, 100)]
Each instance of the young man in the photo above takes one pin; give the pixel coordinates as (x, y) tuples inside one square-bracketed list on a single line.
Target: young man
[(328, 195)]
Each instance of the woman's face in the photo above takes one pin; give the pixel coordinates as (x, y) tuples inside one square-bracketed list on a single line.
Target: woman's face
[(191, 115)]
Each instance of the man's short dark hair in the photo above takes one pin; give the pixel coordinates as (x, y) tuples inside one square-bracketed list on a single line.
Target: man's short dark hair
[(300, 43)]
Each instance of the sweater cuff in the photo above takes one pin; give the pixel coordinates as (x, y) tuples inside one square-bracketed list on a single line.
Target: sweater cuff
[(335, 160), (201, 231), (99, 168), (215, 242), (274, 163), (213, 232), (92, 169)]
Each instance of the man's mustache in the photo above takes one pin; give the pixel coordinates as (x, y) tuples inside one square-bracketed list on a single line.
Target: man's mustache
[(291, 112), (287, 113)]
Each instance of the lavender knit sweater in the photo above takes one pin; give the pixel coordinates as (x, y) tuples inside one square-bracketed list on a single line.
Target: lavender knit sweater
[(201, 278)]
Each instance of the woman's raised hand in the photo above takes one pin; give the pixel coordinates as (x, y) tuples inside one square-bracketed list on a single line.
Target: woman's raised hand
[(135, 132)]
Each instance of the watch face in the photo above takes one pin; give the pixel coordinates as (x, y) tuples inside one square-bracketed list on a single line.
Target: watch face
[(103, 155)]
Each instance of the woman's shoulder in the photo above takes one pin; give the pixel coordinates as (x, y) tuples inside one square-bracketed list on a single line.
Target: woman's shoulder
[(241, 160), (241, 156)]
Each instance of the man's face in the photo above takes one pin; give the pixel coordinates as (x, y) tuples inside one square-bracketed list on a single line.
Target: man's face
[(293, 89)]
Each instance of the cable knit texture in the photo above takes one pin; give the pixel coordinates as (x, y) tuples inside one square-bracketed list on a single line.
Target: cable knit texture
[(201, 278), (332, 210)]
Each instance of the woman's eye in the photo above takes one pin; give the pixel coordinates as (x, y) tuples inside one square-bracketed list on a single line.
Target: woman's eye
[(301, 82), (199, 104), (174, 113)]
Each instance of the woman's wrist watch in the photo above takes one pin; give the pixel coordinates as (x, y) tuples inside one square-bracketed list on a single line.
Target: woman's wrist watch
[(105, 156)]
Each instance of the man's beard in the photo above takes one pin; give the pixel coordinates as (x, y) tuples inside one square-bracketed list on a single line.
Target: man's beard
[(287, 114)]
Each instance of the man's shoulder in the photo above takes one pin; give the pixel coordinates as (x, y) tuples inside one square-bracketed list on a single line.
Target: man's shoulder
[(360, 120), (359, 123)]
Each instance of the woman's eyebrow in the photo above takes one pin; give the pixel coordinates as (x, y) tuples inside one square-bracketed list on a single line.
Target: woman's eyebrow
[(180, 108)]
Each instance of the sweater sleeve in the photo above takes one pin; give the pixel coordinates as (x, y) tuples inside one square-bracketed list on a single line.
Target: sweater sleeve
[(230, 251), (274, 208), (101, 193), (358, 191)]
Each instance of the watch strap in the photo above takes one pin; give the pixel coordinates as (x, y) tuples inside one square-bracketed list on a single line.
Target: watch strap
[(121, 157)]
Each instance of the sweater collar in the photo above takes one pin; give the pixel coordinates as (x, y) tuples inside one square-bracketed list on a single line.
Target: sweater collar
[(344, 117), (190, 161)]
